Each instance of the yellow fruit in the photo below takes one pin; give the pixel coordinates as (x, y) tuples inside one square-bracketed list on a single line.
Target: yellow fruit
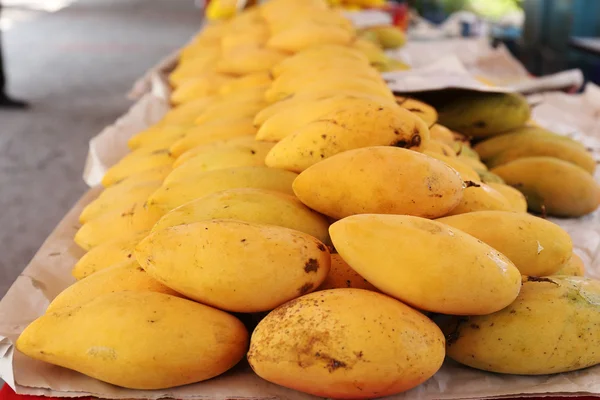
[(466, 173), (247, 140), (157, 135), (389, 37), (250, 81), (250, 205), (573, 267), (245, 60), (187, 113), (116, 224), (211, 132), (424, 111), (427, 264), (128, 276), (514, 197), (496, 145), (489, 177), (481, 197), (552, 185), (245, 267), (341, 275), (220, 158), (305, 35), (105, 255), (373, 52), (195, 66), (301, 113), (391, 65), (175, 194), (550, 328), (118, 198), (137, 162), (138, 340), (324, 53), (197, 88), (380, 180), (433, 146), (356, 126), (327, 344), (470, 161), (441, 134), (537, 247), (154, 174), (227, 111)]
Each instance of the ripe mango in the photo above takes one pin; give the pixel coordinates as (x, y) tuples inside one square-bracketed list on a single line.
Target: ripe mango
[(382, 180), (537, 247), (327, 344), (341, 275), (250, 205), (553, 186), (516, 199), (138, 340), (235, 265), (573, 267), (551, 327), (137, 162), (481, 197), (427, 264)]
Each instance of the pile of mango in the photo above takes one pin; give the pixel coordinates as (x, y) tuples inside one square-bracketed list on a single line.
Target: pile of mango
[(291, 210)]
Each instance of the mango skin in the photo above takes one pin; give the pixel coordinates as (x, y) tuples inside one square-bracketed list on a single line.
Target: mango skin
[(481, 197), (250, 205), (382, 180), (139, 161), (536, 246), (427, 264), (557, 187), (341, 275), (155, 341), (127, 276), (235, 265), (553, 326), (346, 344), (466, 172), (573, 267), (516, 199)]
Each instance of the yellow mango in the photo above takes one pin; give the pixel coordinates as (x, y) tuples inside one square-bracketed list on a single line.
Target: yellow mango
[(258, 79), (466, 173), (323, 53), (116, 224), (380, 180), (207, 148), (245, 267), (154, 174), (481, 197), (212, 132), (488, 177), (537, 247), (573, 267), (187, 113), (423, 110), (550, 328), (328, 344), (553, 186), (250, 205), (138, 340), (248, 59), (341, 275), (157, 135), (355, 126), (307, 34), (516, 199), (198, 87), (220, 158), (195, 67), (427, 264), (105, 255), (441, 134), (175, 194), (127, 276), (433, 146), (137, 162), (230, 111), (118, 198)]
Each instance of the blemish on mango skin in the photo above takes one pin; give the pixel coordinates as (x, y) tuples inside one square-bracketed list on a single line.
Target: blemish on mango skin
[(312, 265), (304, 289)]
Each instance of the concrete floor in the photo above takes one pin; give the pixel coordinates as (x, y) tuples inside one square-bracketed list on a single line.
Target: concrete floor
[(75, 66)]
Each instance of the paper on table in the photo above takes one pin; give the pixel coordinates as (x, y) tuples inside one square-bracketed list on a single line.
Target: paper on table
[(49, 273)]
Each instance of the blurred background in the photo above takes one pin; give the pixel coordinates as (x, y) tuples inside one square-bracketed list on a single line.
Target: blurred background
[(75, 61)]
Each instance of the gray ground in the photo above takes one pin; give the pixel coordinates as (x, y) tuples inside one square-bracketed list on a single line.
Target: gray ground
[(75, 66)]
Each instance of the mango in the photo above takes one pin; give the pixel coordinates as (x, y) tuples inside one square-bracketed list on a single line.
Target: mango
[(427, 264), (516, 199), (466, 173), (341, 275), (551, 327), (235, 265), (552, 186), (481, 197), (385, 180), (137, 162), (327, 344), (573, 267), (250, 205), (138, 340), (535, 246)]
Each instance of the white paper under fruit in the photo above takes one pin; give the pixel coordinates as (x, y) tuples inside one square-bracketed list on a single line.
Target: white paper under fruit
[(49, 273)]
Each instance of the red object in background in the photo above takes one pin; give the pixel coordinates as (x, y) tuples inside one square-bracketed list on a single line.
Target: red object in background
[(7, 394)]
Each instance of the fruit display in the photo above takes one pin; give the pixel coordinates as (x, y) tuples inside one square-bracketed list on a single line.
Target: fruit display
[(365, 234)]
